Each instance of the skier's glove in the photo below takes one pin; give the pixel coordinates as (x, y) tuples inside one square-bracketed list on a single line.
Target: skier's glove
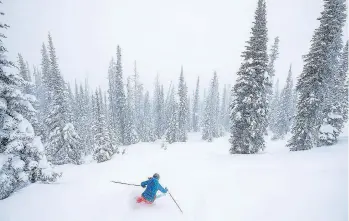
[(166, 189)]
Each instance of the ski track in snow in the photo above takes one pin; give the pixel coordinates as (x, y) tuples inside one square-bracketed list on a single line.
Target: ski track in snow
[(207, 182)]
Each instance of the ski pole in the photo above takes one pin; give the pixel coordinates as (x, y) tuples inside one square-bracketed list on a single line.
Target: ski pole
[(175, 202), (130, 184)]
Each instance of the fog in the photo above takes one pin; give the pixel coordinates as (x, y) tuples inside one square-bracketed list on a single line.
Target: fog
[(203, 36)]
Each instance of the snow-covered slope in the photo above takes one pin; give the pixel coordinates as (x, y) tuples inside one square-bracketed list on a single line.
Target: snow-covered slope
[(207, 182)]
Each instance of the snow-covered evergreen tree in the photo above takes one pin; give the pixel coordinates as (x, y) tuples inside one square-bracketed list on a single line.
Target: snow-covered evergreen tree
[(158, 109), (25, 159), (274, 53), (294, 105), (63, 144), (28, 89), (287, 103), (207, 127), (280, 119), (39, 94), (24, 73), (188, 114), (87, 133), (249, 113), (117, 100), (202, 110), (195, 113), (115, 134), (130, 133), (29, 73), (167, 108), (103, 149), (71, 103), (335, 115), (107, 124), (38, 91), (105, 107), (172, 127), (211, 126), (77, 107), (217, 129), (315, 82), (274, 109), (282, 109), (224, 116), (148, 128), (46, 87), (138, 103), (79, 114), (182, 109), (343, 70)]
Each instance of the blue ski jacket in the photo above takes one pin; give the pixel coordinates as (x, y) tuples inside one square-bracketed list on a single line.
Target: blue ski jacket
[(153, 186)]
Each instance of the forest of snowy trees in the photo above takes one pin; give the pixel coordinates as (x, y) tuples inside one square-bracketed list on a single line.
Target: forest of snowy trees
[(314, 111), (45, 121)]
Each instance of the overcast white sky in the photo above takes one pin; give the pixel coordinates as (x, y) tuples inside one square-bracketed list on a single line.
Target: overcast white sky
[(201, 35)]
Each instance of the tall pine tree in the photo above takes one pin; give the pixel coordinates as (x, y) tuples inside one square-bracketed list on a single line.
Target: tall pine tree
[(182, 109), (138, 103), (39, 94), (63, 144), (282, 109), (224, 116), (195, 118), (343, 70), (46, 87), (148, 129), (249, 113), (117, 100), (274, 53), (172, 127), (131, 135), (314, 83), (24, 155), (28, 89), (103, 149), (335, 115), (158, 109), (274, 109), (24, 73), (287, 102), (211, 126)]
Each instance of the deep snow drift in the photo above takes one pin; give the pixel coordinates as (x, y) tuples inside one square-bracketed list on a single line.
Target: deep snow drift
[(207, 182)]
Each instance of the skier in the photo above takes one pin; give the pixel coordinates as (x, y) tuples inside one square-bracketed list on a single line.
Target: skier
[(153, 185)]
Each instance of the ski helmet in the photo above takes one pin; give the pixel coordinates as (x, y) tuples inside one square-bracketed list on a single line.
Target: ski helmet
[(156, 175)]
